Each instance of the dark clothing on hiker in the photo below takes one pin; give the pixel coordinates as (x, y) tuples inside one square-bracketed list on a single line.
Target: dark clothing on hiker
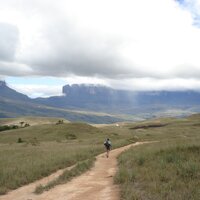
[(107, 144)]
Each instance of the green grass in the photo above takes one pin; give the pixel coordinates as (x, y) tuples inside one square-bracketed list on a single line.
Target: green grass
[(169, 169), (49, 132), (67, 175), (47, 148)]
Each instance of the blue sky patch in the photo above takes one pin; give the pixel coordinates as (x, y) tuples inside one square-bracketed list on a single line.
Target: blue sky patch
[(35, 81), (193, 7), (180, 1)]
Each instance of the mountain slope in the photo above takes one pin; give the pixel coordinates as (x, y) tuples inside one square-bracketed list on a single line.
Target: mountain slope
[(90, 100), (7, 92), (14, 104)]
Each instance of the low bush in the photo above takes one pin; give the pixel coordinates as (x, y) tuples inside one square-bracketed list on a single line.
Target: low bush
[(6, 127)]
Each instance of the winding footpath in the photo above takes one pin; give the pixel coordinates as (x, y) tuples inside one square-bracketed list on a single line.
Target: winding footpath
[(95, 184)]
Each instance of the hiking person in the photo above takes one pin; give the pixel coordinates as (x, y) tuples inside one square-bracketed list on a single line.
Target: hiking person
[(107, 145)]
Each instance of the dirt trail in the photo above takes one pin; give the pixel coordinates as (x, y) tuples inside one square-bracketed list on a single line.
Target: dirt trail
[(96, 184)]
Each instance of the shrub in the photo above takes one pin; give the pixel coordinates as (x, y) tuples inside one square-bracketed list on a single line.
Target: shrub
[(34, 141), (59, 122), (19, 140), (26, 125), (70, 136), (6, 127), (140, 161), (21, 123)]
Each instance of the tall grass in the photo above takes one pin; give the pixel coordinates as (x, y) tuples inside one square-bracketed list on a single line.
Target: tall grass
[(162, 171), (47, 148), (166, 170)]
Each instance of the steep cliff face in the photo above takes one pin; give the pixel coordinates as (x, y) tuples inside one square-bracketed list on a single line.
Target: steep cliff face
[(101, 99), (91, 97), (97, 94)]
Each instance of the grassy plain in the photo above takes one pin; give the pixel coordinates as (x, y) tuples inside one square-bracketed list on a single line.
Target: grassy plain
[(45, 148), (168, 169)]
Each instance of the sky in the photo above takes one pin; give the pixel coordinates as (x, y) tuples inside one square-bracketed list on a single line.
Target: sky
[(137, 45)]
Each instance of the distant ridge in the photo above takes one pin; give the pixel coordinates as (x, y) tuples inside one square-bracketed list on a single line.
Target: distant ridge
[(97, 97), (120, 104), (15, 104)]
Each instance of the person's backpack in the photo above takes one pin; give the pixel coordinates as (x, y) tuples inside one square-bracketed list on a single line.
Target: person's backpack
[(107, 143)]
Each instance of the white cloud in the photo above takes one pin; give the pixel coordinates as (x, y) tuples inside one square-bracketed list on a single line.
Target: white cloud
[(34, 91), (14, 69), (110, 40), (194, 7), (85, 80), (8, 41), (153, 84)]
